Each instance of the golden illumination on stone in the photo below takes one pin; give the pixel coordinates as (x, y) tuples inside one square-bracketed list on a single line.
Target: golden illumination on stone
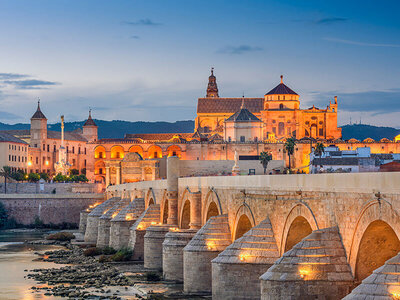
[(114, 215), (128, 217), (174, 229), (243, 257), (153, 223), (304, 273), (140, 227)]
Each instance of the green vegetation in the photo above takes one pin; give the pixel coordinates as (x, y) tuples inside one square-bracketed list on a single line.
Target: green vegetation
[(289, 147), (94, 251), (319, 149), (123, 254), (73, 178), (265, 158), (6, 173), (61, 236), (33, 177), (74, 172)]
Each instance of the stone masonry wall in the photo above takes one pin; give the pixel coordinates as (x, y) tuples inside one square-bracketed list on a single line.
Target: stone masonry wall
[(55, 209)]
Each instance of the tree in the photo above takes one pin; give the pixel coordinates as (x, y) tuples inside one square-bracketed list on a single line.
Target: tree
[(74, 172), (33, 177), (6, 173), (265, 158), (44, 176), (319, 149), (289, 146), (60, 178), (83, 171)]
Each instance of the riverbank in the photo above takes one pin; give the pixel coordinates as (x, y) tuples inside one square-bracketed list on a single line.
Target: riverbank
[(95, 277)]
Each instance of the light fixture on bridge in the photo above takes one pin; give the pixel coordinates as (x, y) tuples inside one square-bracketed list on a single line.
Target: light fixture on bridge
[(304, 273), (243, 257)]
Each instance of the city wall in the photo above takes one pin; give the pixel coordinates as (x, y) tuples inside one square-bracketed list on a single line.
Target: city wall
[(48, 188), (50, 209)]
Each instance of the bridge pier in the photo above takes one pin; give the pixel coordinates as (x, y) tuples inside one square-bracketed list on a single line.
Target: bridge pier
[(151, 216), (315, 268), (103, 235), (173, 246), (83, 220), (93, 219), (119, 230), (153, 249), (207, 243), (236, 270)]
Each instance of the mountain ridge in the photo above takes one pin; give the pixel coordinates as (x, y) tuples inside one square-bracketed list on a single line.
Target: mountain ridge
[(118, 128)]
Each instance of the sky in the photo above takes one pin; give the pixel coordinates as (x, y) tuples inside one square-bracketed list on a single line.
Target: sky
[(150, 60)]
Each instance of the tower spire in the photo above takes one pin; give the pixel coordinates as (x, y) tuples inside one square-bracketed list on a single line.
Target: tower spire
[(281, 78), (212, 88)]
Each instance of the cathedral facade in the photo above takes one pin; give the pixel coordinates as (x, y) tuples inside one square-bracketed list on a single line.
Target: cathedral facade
[(279, 112)]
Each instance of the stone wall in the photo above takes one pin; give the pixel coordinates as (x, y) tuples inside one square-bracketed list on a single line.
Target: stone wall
[(54, 209), (60, 188)]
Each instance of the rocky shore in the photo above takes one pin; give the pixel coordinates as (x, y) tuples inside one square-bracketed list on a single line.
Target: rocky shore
[(84, 277)]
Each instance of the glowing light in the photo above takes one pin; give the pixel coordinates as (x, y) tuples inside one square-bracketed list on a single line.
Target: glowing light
[(140, 227), (45, 257), (243, 257), (396, 295), (210, 245), (128, 218), (29, 163), (174, 229), (304, 273), (46, 162), (114, 215), (153, 223)]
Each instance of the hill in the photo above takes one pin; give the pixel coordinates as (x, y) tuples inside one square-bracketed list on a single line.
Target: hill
[(117, 129)]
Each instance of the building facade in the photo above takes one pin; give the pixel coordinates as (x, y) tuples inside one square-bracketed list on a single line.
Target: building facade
[(14, 152)]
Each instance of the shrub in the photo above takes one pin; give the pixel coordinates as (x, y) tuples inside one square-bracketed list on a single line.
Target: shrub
[(38, 223), (44, 176), (103, 259), (123, 254), (3, 215), (108, 250), (74, 172), (33, 177), (152, 276), (61, 236), (92, 251), (83, 171), (60, 178)]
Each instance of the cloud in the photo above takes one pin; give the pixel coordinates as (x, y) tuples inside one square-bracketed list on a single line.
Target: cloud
[(8, 116), (239, 49), (142, 22), (330, 20), (135, 37), (7, 76), (356, 43), (30, 83), (375, 102)]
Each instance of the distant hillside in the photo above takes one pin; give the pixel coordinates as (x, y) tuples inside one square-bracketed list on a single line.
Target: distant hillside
[(361, 132), (117, 129)]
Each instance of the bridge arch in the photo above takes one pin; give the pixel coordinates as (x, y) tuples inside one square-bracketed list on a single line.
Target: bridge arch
[(184, 213), (375, 238), (212, 206), (150, 198), (164, 208), (244, 221), (299, 223)]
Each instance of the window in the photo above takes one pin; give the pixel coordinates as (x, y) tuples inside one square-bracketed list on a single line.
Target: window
[(9, 158), (281, 105), (256, 139), (35, 145), (48, 148), (67, 149), (37, 160), (44, 160), (274, 130), (229, 139), (100, 171), (242, 139), (73, 162), (118, 154), (55, 148), (44, 147), (84, 162), (289, 131), (73, 149), (85, 150), (321, 131), (79, 150)]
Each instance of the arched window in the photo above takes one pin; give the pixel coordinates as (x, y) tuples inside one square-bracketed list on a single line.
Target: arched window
[(281, 106)]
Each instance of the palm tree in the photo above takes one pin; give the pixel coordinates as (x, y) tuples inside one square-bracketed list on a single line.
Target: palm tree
[(265, 158), (319, 149), (6, 173), (289, 146)]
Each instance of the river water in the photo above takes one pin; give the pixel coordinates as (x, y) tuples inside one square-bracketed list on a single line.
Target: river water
[(15, 257)]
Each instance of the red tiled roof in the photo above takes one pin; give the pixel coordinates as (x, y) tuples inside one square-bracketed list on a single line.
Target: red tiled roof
[(228, 105)]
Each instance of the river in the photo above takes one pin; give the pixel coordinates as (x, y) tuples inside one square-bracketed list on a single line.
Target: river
[(15, 257)]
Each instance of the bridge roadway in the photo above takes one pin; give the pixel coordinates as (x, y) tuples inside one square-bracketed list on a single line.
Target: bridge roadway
[(307, 236)]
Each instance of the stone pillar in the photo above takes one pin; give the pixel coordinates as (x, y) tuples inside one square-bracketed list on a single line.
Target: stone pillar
[(195, 210), (107, 176), (83, 220), (172, 189), (153, 249), (118, 175), (173, 246)]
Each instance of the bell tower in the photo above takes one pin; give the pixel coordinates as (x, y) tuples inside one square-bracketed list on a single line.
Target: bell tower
[(38, 128), (90, 129), (212, 88)]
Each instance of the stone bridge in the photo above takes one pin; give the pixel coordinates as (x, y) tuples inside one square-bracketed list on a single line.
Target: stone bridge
[(269, 237)]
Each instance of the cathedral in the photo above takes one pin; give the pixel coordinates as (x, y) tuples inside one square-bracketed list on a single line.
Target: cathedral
[(276, 116)]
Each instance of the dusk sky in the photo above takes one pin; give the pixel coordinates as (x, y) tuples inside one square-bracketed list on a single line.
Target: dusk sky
[(150, 60)]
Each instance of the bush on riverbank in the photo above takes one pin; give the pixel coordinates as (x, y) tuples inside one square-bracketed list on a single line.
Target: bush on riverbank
[(123, 254), (61, 236), (94, 251), (152, 276)]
